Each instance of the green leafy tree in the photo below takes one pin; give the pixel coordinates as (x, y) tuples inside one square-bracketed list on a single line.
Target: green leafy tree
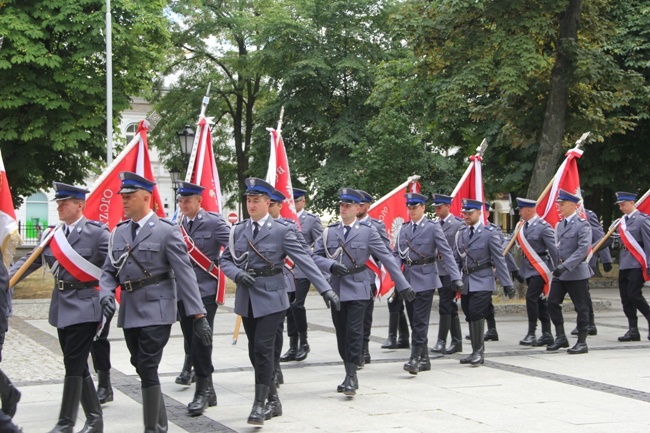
[(53, 75)]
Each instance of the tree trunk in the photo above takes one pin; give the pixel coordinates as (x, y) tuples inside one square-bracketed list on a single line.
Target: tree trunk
[(550, 143)]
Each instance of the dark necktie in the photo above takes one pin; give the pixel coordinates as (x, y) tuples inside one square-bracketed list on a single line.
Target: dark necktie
[(565, 223), (67, 231), (414, 227), (471, 232), (134, 229), (442, 223), (256, 229), (346, 230), (526, 226), (189, 225), (627, 218)]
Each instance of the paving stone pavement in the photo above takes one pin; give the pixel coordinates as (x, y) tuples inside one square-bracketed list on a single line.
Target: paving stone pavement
[(519, 389)]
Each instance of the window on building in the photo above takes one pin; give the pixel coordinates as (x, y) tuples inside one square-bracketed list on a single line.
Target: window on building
[(131, 129)]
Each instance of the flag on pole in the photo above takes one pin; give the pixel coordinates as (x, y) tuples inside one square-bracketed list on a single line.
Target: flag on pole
[(391, 210), (9, 237), (104, 203), (279, 176), (470, 185), (566, 178), (203, 171)]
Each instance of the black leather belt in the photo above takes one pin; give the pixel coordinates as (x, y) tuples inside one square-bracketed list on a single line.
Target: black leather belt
[(423, 261), (66, 285), (468, 271), (264, 272), (357, 269), (132, 285), (543, 254)]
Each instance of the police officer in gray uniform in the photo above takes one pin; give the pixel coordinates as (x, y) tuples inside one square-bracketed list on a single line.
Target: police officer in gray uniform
[(491, 334), (636, 227), (255, 260), (349, 243), (447, 307), (208, 233), (311, 228), (363, 216), (148, 259), (74, 309), (8, 393), (540, 237), (418, 245), (479, 249), (571, 275), (597, 233)]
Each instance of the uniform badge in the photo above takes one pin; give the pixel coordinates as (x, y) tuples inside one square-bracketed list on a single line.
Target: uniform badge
[(252, 181), (78, 229), (200, 216), (345, 190), (151, 223)]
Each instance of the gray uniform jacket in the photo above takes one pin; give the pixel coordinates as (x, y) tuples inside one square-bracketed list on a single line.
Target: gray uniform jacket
[(424, 244), (478, 256), (311, 228), (209, 233), (573, 242), (597, 233), (275, 240), (159, 247), (362, 241), (451, 225), (638, 225), (541, 237), (5, 298), (73, 306)]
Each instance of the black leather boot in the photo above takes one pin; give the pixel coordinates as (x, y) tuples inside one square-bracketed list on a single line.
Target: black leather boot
[(404, 336), (632, 334), (477, 327), (273, 406), (151, 403), (546, 338), (92, 408), (351, 383), (104, 388), (278, 377), (530, 338), (162, 425), (425, 362), (290, 355), (491, 334), (69, 405), (456, 344), (201, 401), (391, 341), (648, 319), (187, 375), (366, 353), (580, 346), (256, 416), (9, 395), (560, 339), (303, 347), (443, 330), (413, 364)]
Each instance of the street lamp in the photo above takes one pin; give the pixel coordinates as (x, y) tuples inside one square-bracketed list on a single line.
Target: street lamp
[(186, 139), (175, 174)]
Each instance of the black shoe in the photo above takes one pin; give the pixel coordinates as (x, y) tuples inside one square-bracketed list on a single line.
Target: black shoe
[(273, 406), (9, 394), (425, 362), (632, 334), (413, 364), (404, 336), (440, 347), (528, 340), (92, 408), (478, 348), (290, 355), (491, 335), (69, 404), (256, 416), (580, 347), (366, 353), (204, 396), (186, 377), (351, 383), (303, 348), (560, 342), (456, 333), (574, 331), (592, 330), (104, 388), (278, 377), (391, 341), (454, 347), (544, 340)]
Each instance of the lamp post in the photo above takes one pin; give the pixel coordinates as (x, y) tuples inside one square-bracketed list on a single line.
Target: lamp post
[(186, 140), (175, 175)]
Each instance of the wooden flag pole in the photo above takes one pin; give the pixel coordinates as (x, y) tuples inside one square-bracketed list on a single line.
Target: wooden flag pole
[(235, 334), (32, 258)]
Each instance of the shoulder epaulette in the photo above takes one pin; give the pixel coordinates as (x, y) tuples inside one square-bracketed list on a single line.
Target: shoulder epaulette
[(365, 223), (310, 214), (462, 228), (122, 223), (217, 214), (168, 221), (490, 228), (543, 221), (433, 222), (333, 224), (95, 223), (290, 221), (582, 219), (459, 219), (282, 221), (589, 211), (239, 222)]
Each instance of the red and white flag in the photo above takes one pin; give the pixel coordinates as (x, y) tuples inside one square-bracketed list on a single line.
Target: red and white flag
[(470, 187), (391, 210), (279, 175), (9, 237), (104, 203), (566, 178), (203, 171)]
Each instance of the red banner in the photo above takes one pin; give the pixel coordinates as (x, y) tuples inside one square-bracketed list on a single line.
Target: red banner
[(104, 203), (9, 237), (470, 187), (279, 175), (566, 178)]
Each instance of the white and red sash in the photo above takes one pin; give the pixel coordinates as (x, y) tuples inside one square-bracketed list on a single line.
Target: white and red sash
[(205, 263), (634, 248), (540, 266), (72, 261)]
